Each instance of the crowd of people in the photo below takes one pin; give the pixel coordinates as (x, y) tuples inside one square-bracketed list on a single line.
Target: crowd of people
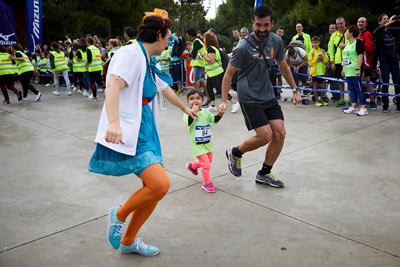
[(81, 64)]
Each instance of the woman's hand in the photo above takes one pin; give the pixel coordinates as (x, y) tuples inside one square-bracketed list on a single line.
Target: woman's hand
[(190, 112), (114, 134)]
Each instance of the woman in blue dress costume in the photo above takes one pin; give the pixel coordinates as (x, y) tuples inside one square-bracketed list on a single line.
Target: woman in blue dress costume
[(127, 138)]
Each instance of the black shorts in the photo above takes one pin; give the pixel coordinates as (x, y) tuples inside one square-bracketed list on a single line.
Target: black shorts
[(367, 72), (259, 114), (338, 71), (318, 80)]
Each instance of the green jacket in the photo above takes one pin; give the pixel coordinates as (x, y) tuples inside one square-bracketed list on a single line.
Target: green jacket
[(334, 42), (307, 41)]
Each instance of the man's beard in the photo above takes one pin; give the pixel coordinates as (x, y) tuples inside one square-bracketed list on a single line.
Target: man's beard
[(262, 35)]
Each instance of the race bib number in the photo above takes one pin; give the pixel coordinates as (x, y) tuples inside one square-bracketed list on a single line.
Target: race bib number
[(202, 133), (346, 62)]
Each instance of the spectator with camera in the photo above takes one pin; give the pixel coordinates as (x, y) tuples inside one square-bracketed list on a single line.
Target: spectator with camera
[(387, 55)]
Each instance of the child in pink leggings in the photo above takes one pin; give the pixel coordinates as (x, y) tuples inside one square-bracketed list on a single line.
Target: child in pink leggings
[(200, 136)]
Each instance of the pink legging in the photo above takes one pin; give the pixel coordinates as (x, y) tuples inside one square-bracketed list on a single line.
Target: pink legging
[(204, 162)]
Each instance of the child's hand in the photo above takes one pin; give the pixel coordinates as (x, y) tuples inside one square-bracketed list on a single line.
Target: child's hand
[(195, 108), (320, 57)]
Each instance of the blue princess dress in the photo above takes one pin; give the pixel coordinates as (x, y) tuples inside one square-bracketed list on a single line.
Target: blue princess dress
[(148, 152)]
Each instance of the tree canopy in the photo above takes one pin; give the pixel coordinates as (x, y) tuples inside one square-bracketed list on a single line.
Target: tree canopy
[(107, 18)]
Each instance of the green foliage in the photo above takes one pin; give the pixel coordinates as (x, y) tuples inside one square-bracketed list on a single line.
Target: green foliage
[(106, 18)]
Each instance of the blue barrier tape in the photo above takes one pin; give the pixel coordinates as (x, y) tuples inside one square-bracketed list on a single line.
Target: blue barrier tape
[(334, 91), (341, 80)]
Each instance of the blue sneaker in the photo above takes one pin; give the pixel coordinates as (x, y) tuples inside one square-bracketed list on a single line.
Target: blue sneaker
[(115, 227), (140, 248), (206, 104)]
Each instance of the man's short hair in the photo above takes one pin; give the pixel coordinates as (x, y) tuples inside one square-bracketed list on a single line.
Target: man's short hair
[(315, 39), (245, 29), (263, 11), (130, 32), (281, 28), (341, 18), (192, 32)]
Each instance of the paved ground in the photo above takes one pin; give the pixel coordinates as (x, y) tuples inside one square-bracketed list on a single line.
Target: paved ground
[(340, 207)]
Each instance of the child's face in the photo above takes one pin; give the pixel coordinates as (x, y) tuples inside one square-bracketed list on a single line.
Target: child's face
[(195, 99), (315, 44)]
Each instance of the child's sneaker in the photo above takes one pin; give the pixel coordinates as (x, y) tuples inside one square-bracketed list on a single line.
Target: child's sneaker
[(318, 104), (362, 112), (209, 188), (371, 106), (324, 103), (341, 103), (190, 168), (115, 227), (350, 110), (139, 247)]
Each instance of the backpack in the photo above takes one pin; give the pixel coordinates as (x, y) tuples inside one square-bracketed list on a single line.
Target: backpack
[(224, 59)]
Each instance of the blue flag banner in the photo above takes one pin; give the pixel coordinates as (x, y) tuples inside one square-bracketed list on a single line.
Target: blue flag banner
[(8, 35), (257, 3), (34, 14)]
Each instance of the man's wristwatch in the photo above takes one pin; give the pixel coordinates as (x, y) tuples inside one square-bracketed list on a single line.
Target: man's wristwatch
[(295, 89)]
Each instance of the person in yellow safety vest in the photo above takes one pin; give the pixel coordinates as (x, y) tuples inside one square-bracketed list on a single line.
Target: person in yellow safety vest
[(59, 66), (7, 75), (337, 43), (25, 71), (303, 37), (129, 35), (78, 69), (81, 56), (94, 65), (214, 70), (197, 62), (42, 64)]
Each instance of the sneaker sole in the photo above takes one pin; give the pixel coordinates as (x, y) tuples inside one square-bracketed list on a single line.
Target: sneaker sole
[(229, 165), (134, 252), (208, 191)]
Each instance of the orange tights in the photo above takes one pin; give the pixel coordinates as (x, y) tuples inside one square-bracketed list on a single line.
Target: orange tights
[(142, 203)]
